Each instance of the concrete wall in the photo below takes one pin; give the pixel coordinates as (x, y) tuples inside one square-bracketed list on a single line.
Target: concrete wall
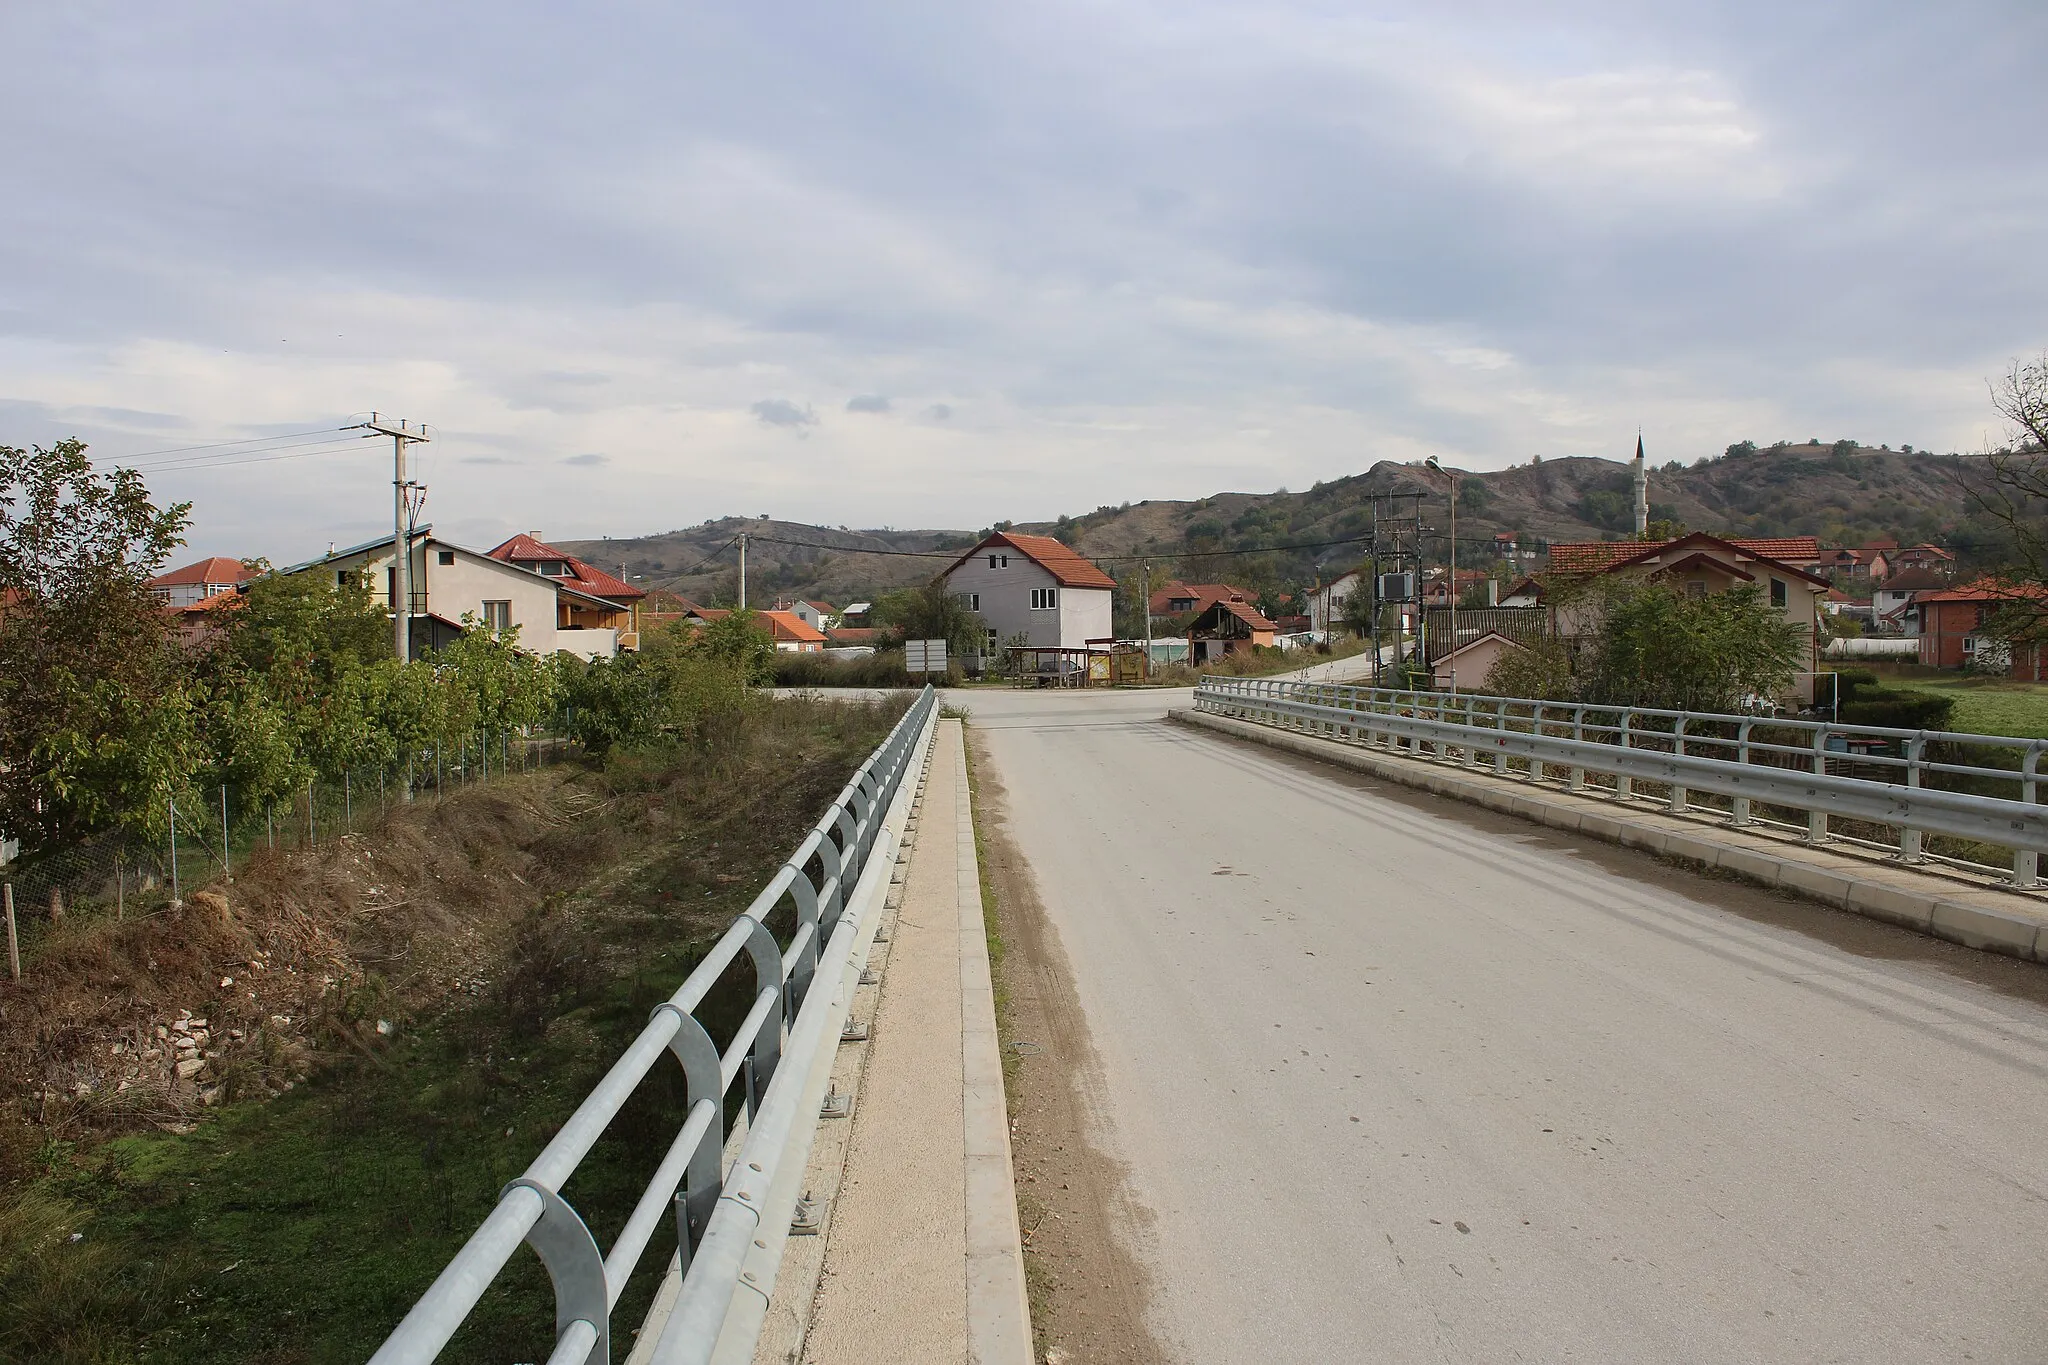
[(1005, 591)]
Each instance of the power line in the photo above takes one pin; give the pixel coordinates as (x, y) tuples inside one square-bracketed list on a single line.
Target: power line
[(218, 445), (265, 458), (1099, 559)]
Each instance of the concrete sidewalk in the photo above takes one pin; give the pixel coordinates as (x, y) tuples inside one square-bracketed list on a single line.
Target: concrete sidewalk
[(919, 1257), (1972, 911)]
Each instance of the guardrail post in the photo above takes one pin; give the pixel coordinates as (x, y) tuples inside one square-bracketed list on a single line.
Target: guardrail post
[(1909, 839), (1623, 784), (1738, 806), (1817, 818), (1500, 723), (698, 1196), (567, 1249), (1576, 780), (2026, 862), (1678, 751)]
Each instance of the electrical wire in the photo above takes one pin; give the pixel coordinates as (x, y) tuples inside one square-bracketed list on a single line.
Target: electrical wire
[(218, 445), (263, 458)]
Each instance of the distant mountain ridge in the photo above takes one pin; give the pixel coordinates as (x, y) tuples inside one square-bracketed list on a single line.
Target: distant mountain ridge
[(1845, 496)]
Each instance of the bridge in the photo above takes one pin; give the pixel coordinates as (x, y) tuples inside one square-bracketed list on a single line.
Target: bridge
[(1320, 1052)]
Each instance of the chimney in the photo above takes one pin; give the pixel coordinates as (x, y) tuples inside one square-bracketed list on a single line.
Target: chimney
[(1641, 473), (534, 534)]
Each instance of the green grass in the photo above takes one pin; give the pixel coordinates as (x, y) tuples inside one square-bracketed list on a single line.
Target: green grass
[(299, 1231), (1984, 706)]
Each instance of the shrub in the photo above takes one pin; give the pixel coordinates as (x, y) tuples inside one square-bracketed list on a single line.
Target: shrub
[(1898, 709)]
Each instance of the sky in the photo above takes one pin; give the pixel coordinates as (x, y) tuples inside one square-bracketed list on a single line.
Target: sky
[(642, 265)]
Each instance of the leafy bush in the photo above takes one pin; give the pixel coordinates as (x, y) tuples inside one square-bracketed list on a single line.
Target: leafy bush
[(1899, 709), (882, 669)]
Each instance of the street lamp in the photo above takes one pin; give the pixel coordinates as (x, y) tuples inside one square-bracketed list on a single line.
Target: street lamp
[(1453, 655)]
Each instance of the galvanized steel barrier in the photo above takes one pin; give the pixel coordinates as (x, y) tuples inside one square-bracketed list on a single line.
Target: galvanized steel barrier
[(783, 1045), (1847, 772)]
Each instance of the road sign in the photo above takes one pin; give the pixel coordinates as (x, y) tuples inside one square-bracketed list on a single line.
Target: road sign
[(924, 656)]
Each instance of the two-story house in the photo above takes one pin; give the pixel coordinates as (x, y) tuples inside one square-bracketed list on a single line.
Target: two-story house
[(1034, 591), (450, 582), (589, 599), (195, 583)]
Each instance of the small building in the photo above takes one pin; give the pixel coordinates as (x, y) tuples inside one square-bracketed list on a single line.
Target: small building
[(1890, 599), (792, 634), (857, 615), (1952, 625), (1227, 627), (1326, 603), (196, 583), (1033, 590), (1870, 562), (1178, 599), (1466, 666), (816, 615), (1524, 592), (1929, 557)]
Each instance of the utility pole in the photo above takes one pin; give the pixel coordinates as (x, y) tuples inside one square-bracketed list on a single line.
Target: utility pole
[(1452, 652), (743, 571), (1145, 591), (402, 434)]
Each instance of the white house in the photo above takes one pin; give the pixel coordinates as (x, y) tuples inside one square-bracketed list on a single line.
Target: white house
[(1326, 604), (1034, 590), (816, 615), (449, 581), (195, 583)]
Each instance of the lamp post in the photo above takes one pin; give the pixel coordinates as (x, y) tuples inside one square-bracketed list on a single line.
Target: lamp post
[(1453, 653)]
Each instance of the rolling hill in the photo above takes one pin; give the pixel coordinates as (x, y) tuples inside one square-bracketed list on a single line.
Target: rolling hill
[(1846, 496)]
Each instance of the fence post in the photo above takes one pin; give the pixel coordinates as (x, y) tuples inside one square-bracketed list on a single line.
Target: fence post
[(1678, 751), (56, 905), (225, 870), (1909, 839), (13, 941), (312, 826), (172, 801), (1817, 820)]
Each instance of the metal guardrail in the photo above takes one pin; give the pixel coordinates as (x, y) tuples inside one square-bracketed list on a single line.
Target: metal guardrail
[(785, 1041), (1860, 773)]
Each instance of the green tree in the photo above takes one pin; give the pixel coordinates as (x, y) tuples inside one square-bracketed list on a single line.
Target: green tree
[(97, 704), (738, 639), (1651, 645), (933, 612)]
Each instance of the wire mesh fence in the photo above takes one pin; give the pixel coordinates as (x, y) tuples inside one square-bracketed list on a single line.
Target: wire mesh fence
[(210, 833)]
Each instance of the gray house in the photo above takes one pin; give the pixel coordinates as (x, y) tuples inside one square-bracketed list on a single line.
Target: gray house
[(1035, 588)]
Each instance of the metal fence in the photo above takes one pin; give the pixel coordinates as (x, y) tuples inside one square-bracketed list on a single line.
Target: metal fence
[(731, 1220), (212, 832), (1916, 794)]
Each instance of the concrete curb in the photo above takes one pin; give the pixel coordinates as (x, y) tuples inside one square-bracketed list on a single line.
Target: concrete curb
[(998, 1311), (1973, 926)]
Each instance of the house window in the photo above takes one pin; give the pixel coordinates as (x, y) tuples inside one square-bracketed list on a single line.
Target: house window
[(1696, 588), (972, 600), (341, 578), (445, 557), (498, 616), (1045, 599), (553, 568), (1778, 592), (993, 639), (999, 561)]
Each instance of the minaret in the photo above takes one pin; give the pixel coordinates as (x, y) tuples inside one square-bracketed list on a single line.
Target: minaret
[(1641, 473)]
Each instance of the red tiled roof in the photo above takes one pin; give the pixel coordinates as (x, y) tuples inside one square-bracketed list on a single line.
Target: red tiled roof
[(1912, 580), (524, 549), (1068, 568), (1602, 555), (853, 635), (1984, 590), (218, 569), (1201, 593)]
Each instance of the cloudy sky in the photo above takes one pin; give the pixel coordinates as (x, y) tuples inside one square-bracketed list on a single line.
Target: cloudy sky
[(938, 264)]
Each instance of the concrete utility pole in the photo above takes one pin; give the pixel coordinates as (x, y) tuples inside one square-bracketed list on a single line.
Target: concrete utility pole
[(1145, 591), (743, 571), (402, 434), (1452, 655)]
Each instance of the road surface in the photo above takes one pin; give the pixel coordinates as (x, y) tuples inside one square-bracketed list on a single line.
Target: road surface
[(1398, 1080)]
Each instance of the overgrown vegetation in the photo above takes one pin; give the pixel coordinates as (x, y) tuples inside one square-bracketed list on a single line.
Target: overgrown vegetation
[(428, 1003), (1641, 642)]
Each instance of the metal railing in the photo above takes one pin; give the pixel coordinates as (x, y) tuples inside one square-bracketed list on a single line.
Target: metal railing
[(1882, 788), (785, 1040)]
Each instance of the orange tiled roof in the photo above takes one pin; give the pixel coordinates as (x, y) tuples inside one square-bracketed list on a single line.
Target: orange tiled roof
[(787, 625), (1984, 590), (218, 569), (1067, 566)]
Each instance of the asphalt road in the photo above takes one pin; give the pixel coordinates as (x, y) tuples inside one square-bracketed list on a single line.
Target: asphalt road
[(1399, 1080)]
